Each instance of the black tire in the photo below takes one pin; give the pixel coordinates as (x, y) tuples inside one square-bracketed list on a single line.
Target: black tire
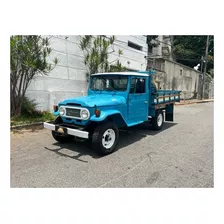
[(60, 137), (157, 123), (99, 134)]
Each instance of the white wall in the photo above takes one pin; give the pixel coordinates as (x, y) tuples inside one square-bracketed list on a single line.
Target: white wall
[(68, 78), (135, 57)]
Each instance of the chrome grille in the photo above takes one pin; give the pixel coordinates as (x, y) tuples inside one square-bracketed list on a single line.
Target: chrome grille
[(73, 112)]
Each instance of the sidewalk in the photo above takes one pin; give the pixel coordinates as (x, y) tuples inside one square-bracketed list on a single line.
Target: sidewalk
[(184, 102)]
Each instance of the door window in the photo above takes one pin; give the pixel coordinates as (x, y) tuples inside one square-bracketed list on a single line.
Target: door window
[(137, 85)]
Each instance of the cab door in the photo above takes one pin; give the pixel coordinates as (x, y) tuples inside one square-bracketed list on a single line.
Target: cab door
[(138, 100)]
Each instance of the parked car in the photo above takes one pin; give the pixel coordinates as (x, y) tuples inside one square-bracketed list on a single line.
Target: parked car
[(114, 100)]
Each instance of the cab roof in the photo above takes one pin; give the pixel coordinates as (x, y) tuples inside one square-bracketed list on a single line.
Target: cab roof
[(141, 73)]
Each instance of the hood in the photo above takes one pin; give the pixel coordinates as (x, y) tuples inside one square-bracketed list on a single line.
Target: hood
[(96, 99)]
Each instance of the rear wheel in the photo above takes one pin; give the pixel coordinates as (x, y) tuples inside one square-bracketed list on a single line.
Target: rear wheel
[(105, 138), (59, 137), (158, 120)]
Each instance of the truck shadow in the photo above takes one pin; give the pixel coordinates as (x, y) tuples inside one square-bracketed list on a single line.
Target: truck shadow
[(127, 137), (81, 149), (136, 133), (146, 128)]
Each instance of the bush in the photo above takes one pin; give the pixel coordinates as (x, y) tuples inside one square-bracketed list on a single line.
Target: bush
[(29, 107), (31, 115)]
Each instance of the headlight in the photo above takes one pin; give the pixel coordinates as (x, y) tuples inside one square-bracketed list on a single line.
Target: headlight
[(62, 111), (84, 114)]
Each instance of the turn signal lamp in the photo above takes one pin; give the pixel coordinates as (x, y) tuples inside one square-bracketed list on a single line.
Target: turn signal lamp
[(97, 113), (55, 108)]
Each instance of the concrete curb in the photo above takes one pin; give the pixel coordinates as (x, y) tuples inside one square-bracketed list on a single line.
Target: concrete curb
[(26, 125), (194, 102)]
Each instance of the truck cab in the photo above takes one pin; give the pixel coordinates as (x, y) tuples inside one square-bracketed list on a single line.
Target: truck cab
[(114, 100)]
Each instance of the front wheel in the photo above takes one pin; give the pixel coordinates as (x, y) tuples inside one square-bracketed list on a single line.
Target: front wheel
[(105, 138), (158, 120)]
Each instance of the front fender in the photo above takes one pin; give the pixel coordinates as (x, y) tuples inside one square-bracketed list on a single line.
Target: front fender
[(56, 113), (104, 115)]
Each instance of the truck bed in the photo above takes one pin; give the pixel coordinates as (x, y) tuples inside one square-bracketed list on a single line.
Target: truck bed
[(163, 97)]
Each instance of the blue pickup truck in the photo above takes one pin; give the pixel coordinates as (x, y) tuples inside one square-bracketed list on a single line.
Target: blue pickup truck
[(115, 100)]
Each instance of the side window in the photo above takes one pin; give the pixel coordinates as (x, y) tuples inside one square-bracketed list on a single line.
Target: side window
[(140, 86), (137, 85), (133, 84)]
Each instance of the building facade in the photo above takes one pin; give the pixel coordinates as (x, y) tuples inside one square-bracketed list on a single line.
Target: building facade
[(163, 48), (68, 78)]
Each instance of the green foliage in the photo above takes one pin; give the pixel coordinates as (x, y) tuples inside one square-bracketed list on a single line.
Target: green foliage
[(96, 50), (189, 50), (117, 67), (28, 57), (28, 107), (30, 53), (25, 119), (29, 114)]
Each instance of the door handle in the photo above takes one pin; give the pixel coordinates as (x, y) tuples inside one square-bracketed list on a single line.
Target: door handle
[(146, 101)]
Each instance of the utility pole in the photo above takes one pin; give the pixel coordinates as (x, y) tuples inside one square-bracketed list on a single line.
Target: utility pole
[(201, 78), (205, 68), (148, 43), (202, 59)]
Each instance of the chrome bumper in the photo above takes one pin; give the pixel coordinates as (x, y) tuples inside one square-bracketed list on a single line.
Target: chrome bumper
[(69, 131)]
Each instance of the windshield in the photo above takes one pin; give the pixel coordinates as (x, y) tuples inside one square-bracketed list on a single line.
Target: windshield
[(109, 83)]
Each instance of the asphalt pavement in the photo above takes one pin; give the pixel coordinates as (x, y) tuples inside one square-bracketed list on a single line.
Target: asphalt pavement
[(180, 155)]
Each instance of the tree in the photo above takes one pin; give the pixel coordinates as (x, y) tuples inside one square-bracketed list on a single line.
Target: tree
[(117, 67), (189, 50), (28, 57), (96, 50)]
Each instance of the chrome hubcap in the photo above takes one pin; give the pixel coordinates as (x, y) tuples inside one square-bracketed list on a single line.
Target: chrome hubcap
[(108, 138), (160, 120)]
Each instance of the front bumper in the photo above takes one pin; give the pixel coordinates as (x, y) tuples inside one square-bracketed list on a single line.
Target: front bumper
[(69, 131)]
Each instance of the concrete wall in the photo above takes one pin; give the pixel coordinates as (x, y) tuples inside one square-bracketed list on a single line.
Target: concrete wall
[(68, 79), (209, 88), (211, 91), (178, 77), (182, 78)]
